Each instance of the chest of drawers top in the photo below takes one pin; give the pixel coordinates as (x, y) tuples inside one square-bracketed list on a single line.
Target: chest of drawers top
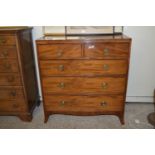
[(82, 39)]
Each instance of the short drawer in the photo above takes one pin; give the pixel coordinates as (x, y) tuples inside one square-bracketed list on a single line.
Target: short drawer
[(7, 40), (12, 106), (83, 85), (107, 50), (11, 93), (8, 66), (7, 79), (64, 103), (83, 67), (60, 51), (8, 52)]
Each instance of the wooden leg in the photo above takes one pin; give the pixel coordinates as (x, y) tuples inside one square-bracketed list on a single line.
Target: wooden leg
[(46, 118), (121, 118), (26, 118)]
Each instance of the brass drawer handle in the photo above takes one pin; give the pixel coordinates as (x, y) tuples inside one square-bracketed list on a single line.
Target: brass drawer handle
[(5, 54), (7, 66), (11, 78), (59, 53), (103, 104), (106, 52), (61, 67), (13, 93), (61, 85), (105, 67), (62, 103), (104, 85), (2, 41)]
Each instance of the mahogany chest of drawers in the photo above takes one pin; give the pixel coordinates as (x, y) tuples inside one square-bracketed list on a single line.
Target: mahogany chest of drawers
[(18, 84), (84, 75)]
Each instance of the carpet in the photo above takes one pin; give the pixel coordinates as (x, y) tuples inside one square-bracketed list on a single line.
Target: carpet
[(135, 118)]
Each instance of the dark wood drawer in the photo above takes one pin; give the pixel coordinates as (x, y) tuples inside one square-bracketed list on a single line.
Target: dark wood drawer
[(7, 40), (60, 51), (83, 85), (64, 103), (83, 67), (107, 50), (12, 105), (7, 79), (8, 66), (11, 93), (8, 52)]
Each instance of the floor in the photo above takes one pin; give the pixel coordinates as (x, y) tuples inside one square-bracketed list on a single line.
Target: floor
[(135, 118)]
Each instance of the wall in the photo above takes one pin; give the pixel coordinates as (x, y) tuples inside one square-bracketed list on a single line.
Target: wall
[(142, 67)]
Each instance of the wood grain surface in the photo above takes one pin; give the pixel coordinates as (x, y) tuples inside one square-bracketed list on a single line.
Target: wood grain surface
[(83, 103), (60, 51), (83, 67), (84, 85)]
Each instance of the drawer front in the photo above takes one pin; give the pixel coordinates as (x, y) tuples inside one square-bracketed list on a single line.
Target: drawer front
[(7, 79), (107, 50), (60, 51), (8, 52), (9, 66), (7, 40), (12, 105), (83, 103), (83, 67), (83, 85), (11, 93)]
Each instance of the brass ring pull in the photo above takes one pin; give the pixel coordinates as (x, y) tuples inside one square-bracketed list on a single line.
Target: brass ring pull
[(61, 67), (4, 53), (2, 41), (13, 93), (106, 51), (7, 66), (59, 53), (61, 85), (104, 85), (103, 104), (62, 103), (105, 67)]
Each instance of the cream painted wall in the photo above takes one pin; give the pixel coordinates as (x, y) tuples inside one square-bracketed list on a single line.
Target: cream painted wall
[(142, 65)]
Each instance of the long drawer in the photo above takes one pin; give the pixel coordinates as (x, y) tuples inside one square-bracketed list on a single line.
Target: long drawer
[(8, 52), (83, 85), (107, 50), (7, 40), (11, 93), (10, 79), (64, 103), (8, 66), (12, 105), (12, 99), (83, 67), (60, 51)]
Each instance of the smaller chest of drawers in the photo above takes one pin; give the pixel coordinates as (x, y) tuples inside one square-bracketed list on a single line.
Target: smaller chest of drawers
[(84, 75), (18, 83)]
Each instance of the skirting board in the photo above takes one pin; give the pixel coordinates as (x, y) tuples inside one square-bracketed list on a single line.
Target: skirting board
[(139, 99)]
